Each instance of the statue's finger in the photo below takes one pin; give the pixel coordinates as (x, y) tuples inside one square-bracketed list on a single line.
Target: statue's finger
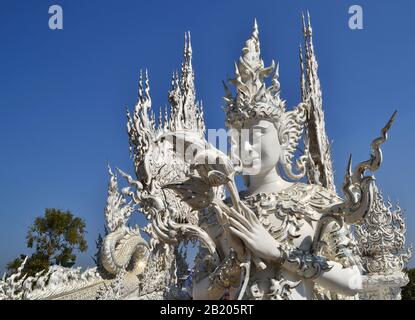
[(239, 234), (259, 263), (238, 225), (241, 218), (249, 213)]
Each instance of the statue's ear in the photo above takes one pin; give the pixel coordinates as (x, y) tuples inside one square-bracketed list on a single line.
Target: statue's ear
[(290, 132)]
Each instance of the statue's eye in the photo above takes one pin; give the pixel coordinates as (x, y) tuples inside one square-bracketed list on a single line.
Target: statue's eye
[(257, 133)]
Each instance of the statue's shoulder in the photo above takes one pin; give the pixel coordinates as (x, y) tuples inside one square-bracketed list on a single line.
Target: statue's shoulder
[(299, 195), (317, 196)]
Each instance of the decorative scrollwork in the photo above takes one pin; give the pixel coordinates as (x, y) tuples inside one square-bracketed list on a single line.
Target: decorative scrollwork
[(381, 238)]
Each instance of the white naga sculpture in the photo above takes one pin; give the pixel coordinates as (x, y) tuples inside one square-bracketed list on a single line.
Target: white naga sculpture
[(288, 235)]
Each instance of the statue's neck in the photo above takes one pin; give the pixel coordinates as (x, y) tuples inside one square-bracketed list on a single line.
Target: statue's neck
[(267, 182)]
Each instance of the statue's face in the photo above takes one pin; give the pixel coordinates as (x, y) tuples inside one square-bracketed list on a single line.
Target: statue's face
[(259, 147)]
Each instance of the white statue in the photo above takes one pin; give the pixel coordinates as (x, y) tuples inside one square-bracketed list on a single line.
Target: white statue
[(297, 235), (276, 220), (287, 236)]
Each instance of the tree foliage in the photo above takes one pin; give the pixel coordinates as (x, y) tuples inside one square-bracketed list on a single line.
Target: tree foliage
[(408, 292), (54, 237)]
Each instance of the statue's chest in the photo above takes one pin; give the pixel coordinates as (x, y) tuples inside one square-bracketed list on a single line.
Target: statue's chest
[(287, 221)]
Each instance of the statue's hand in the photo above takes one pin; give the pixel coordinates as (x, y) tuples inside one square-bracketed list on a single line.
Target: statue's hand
[(246, 226), (237, 245)]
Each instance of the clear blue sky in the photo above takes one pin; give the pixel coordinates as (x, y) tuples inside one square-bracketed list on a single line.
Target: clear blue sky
[(63, 94)]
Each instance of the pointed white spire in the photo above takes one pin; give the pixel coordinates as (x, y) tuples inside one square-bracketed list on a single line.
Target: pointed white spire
[(316, 140), (189, 45), (310, 29), (275, 85), (185, 46), (173, 81), (304, 25), (302, 75), (166, 119), (255, 30), (187, 71), (139, 127), (147, 87), (140, 86), (160, 120), (152, 119), (182, 96)]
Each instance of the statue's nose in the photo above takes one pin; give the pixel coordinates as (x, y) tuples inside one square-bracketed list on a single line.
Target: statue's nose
[(248, 146), (247, 153)]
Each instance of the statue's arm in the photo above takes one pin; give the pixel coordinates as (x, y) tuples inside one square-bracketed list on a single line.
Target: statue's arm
[(359, 191), (336, 267), (337, 278), (345, 281), (342, 276)]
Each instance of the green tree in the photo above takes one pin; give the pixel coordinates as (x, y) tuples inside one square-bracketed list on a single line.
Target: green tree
[(408, 292), (55, 237)]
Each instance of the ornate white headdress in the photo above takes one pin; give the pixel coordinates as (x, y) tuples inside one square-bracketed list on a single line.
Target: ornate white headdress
[(254, 100)]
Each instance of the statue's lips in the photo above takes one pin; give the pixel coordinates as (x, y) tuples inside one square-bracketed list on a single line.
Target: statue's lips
[(250, 161), (252, 166)]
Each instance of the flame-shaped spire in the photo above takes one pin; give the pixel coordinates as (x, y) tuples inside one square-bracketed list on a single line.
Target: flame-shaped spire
[(187, 82), (316, 140), (302, 76), (140, 126), (160, 120), (166, 123), (144, 125), (182, 97), (275, 87), (175, 101), (250, 62), (253, 98), (255, 37), (143, 104)]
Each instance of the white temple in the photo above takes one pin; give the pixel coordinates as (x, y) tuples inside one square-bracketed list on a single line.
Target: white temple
[(289, 235)]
